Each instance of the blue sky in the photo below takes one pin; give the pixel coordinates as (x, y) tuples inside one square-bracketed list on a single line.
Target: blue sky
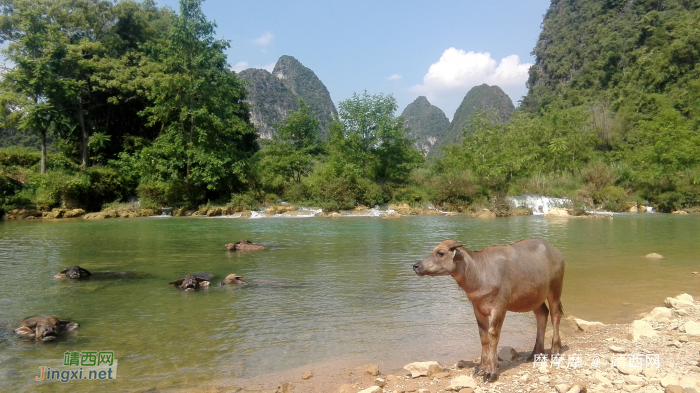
[(439, 49)]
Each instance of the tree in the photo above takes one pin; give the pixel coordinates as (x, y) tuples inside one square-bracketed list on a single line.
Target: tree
[(205, 132), (291, 152), (32, 89), (369, 134)]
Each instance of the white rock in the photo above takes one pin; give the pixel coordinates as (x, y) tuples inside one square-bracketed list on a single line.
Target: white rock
[(586, 326), (669, 379), (692, 327), (635, 380), (639, 329), (660, 314), (600, 379), (381, 382), (650, 372), (508, 354), (427, 369), (616, 349), (630, 369), (373, 389), (575, 389), (685, 297), (678, 304), (631, 388), (462, 382), (562, 388), (690, 384), (543, 379)]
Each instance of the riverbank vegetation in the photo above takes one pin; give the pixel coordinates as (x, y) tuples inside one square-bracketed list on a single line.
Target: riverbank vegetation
[(107, 102)]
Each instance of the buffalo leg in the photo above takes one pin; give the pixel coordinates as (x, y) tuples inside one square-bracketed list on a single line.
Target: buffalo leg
[(494, 334), (555, 313), (541, 314), (483, 322)]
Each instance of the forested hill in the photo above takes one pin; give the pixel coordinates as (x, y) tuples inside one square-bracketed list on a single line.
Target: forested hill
[(273, 96), (632, 56), (483, 97), (426, 123)]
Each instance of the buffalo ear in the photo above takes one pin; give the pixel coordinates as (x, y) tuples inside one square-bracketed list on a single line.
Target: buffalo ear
[(84, 272), (178, 281), (70, 326), (454, 247), (458, 254), (25, 332)]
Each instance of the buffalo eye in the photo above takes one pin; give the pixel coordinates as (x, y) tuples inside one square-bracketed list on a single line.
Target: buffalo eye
[(440, 254)]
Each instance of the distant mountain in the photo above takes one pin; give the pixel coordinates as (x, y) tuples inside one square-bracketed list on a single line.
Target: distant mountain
[(484, 97), (273, 96), (426, 123)]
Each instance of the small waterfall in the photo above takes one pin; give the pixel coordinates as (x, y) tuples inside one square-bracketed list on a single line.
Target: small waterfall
[(539, 204)]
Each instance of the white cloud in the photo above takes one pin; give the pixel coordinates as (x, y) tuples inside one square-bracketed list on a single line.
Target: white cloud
[(240, 66), (269, 67), (457, 71), (265, 39), (394, 77)]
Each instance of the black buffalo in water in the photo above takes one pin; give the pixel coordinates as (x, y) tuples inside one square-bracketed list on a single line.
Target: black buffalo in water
[(44, 328), (74, 272), (193, 281)]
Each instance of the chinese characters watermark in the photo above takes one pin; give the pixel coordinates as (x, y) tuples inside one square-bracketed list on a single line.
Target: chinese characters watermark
[(83, 365)]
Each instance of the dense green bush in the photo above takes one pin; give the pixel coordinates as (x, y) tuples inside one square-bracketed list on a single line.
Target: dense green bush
[(19, 156)]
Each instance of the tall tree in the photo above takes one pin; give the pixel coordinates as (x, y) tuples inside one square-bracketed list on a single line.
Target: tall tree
[(205, 131), (33, 87)]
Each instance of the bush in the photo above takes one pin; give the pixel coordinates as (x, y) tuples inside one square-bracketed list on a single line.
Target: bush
[(245, 201), (670, 201), (152, 194), (614, 199), (456, 188), (19, 156)]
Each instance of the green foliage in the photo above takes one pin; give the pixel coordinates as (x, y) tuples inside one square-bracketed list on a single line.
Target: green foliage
[(19, 156)]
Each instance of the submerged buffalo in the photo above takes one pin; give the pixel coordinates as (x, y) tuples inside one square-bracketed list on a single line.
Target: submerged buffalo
[(516, 277), (193, 281), (233, 279), (73, 272), (243, 245), (44, 328)]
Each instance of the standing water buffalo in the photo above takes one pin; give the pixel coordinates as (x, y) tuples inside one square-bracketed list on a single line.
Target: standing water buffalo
[(73, 272), (516, 277), (243, 245), (44, 328), (192, 281)]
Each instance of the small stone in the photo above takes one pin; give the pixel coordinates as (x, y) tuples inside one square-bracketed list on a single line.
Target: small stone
[(585, 326), (441, 375), (508, 354), (562, 388), (285, 387), (640, 329), (654, 255), (660, 314), (543, 369), (650, 372), (307, 375), (543, 379), (616, 349), (674, 389), (675, 343), (631, 388), (380, 382), (524, 378), (427, 369), (692, 328), (462, 382), (668, 380), (373, 389), (575, 389), (600, 379)]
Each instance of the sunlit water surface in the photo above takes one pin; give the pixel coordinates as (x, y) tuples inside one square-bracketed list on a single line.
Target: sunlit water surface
[(324, 289)]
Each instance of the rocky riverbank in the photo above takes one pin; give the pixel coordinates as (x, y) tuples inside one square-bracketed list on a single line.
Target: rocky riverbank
[(658, 352)]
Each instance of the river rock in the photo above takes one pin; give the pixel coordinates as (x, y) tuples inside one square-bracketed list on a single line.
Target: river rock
[(690, 384), (418, 369), (462, 382), (373, 389), (640, 329), (381, 382), (370, 369), (307, 375), (669, 380), (629, 369), (654, 255), (576, 389), (485, 213), (660, 314), (681, 212), (674, 389), (508, 354), (601, 379), (557, 212), (285, 387), (391, 215), (692, 328), (562, 388), (616, 349), (679, 302), (585, 326)]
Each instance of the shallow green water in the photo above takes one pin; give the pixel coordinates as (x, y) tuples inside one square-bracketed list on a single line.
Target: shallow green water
[(323, 289)]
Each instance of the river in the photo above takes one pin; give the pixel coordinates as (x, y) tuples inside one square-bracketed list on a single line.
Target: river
[(323, 289)]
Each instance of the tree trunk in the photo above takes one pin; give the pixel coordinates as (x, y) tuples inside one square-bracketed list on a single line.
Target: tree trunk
[(85, 136), (42, 169)]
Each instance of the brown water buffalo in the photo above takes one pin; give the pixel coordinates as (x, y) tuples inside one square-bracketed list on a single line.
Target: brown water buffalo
[(516, 277), (74, 272), (44, 328), (233, 279), (192, 281), (243, 245)]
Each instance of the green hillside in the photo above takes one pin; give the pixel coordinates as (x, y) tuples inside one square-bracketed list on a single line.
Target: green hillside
[(426, 123)]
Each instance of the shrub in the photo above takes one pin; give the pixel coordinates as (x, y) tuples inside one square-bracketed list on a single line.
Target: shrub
[(19, 156), (246, 201)]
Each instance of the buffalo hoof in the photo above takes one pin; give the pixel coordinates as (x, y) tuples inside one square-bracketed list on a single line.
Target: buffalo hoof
[(490, 377), (477, 371)]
